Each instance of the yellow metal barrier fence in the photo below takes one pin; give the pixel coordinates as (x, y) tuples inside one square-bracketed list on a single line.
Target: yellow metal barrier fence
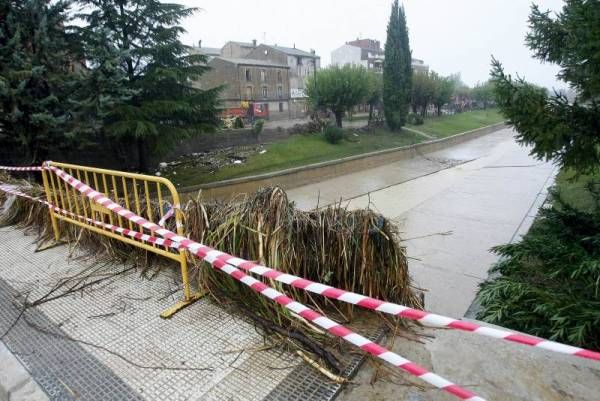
[(135, 192)]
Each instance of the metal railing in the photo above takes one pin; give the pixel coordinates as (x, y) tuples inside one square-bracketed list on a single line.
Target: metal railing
[(136, 192)]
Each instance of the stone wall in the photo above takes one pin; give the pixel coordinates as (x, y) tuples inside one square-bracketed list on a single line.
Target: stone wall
[(224, 139)]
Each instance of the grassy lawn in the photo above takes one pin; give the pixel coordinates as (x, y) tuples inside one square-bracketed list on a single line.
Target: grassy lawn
[(299, 150), (441, 127)]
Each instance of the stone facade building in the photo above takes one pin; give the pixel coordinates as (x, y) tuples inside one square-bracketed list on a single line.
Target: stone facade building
[(259, 88), (367, 53), (237, 49), (302, 65), (284, 99)]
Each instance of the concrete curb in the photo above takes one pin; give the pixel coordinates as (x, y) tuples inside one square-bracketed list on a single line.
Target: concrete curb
[(16, 384), (303, 175)]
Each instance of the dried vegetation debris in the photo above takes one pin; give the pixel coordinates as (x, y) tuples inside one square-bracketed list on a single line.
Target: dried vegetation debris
[(355, 250)]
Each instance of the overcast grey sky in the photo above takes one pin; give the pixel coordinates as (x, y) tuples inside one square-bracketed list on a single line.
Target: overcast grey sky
[(450, 35)]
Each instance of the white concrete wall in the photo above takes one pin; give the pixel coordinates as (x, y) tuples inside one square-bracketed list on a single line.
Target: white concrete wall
[(299, 73), (347, 54)]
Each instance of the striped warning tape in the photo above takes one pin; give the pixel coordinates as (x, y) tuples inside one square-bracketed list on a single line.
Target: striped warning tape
[(211, 256), (423, 317), (10, 189), (8, 168)]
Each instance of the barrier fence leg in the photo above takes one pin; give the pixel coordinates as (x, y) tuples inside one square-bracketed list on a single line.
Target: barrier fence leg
[(188, 297), (57, 241)]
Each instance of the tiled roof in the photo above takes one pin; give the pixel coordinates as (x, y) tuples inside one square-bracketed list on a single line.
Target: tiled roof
[(209, 51), (293, 51), (249, 61), (243, 44)]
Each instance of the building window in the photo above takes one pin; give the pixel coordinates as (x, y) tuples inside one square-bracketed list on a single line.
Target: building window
[(248, 92), (279, 78), (263, 75), (265, 92), (248, 75), (281, 107), (280, 91)]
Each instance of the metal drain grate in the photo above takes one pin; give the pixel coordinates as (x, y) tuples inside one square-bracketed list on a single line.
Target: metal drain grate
[(62, 368), (304, 383)]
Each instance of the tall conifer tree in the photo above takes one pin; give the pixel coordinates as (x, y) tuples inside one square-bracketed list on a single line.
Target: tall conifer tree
[(397, 70), (37, 57), (145, 76)]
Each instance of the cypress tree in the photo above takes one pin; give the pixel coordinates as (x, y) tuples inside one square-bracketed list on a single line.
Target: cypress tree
[(37, 56), (397, 70), (144, 97)]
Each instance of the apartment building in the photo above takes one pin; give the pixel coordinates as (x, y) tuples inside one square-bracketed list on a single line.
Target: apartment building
[(302, 64), (369, 54), (259, 88)]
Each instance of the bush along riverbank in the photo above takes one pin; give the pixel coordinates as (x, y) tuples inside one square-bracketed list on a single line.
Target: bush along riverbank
[(548, 284)]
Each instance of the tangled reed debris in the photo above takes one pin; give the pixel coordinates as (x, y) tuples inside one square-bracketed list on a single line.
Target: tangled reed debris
[(355, 250)]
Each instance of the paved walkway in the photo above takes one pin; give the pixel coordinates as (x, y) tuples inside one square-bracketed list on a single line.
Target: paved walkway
[(107, 342), (452, 206)]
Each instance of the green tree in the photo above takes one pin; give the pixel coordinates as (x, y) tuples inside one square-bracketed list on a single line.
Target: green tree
[(146, 97), (461, 94), (423, 88), (374, 97), (397, 70), (484, 94), (338, 89), (37, 55), (559, 130), (443, 91), (549, 283)]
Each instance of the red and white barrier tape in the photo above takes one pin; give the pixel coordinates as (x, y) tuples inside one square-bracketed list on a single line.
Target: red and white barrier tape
[(425, 318), (10, 189), (8, 168), (170, 213), (211, 256)]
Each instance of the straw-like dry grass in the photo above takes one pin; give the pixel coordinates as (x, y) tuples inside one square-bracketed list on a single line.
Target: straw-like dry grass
[(357, 250)]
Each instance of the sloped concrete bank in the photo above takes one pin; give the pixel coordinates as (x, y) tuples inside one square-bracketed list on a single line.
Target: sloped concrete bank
[(298, 176)]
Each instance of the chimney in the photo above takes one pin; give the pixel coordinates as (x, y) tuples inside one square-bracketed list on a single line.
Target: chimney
[(200, 43), (254, 42), (294, 45), (312, 51)]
